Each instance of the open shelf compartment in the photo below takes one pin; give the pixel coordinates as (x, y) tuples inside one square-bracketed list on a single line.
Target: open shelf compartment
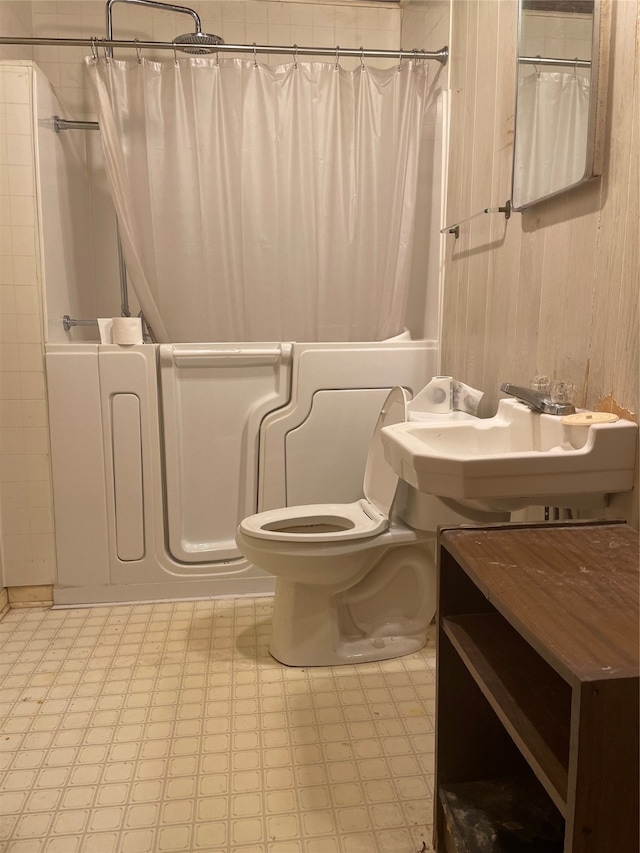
[(531, 700), (506, 815)]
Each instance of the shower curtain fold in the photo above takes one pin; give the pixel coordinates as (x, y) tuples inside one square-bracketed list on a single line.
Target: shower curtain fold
[(264, 203)]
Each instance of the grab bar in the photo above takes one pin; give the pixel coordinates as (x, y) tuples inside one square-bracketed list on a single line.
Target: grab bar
[(68, 323), (227, 357), (60, 124)]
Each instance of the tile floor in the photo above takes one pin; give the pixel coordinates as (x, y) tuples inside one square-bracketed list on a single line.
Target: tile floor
[(168, 727)]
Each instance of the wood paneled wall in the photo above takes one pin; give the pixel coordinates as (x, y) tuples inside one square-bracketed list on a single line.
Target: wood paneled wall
[(554, 290)]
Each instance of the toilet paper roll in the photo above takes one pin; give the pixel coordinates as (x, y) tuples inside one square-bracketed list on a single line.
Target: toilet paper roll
[(435, 397), (126, 331)]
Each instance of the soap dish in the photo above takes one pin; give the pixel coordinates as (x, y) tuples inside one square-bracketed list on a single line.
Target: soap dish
[(588, 418)]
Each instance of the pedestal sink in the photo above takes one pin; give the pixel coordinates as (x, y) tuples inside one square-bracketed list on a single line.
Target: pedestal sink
[(516, 458)]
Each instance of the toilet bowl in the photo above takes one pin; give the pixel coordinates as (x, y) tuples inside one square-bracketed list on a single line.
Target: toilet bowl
[(353, 582)]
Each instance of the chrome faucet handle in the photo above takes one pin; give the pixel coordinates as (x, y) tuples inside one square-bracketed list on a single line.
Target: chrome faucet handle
[(537, 400)]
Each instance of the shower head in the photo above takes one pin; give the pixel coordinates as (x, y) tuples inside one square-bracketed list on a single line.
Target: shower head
[(197, 43)]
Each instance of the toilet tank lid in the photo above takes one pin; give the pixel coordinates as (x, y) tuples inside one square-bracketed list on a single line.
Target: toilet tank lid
[(380, 481)]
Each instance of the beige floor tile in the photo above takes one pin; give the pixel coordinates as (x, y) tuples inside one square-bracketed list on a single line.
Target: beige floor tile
[(168, 727)]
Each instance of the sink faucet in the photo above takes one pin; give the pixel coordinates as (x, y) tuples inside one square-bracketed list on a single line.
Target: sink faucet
[(537, 400)]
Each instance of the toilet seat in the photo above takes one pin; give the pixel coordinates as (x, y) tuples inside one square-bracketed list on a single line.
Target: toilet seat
[(368, 517), (349, 521)]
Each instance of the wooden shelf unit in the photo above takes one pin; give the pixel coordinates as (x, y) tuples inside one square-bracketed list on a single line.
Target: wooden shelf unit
[(538, 647)]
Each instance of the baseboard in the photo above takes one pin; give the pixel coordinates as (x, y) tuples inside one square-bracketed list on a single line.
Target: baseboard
[(30, 596), (4, 602), (176, 590)]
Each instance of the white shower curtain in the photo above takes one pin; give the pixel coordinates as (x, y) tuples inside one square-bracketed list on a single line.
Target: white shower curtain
[(264, 203), (551, 134)]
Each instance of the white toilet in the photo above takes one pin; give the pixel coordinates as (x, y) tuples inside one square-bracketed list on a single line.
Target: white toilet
[(353, 582)]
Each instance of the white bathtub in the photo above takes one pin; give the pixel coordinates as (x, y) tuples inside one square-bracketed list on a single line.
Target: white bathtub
[(159, 450)]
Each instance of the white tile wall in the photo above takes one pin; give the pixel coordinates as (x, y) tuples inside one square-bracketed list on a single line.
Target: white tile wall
[(15, 20), (425, 25), (27, 536), (556, 35)]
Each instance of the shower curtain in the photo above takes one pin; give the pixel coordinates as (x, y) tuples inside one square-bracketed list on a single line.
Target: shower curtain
[(551, 134), (260, 202)]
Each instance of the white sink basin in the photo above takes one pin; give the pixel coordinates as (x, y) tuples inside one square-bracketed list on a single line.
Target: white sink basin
[(517, 458)]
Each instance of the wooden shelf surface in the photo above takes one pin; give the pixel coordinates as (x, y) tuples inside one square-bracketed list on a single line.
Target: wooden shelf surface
[(571, 590), (531, 700)]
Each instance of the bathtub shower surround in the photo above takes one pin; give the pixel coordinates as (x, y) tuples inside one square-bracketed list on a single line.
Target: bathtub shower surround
[(147, 492), (158, 451)]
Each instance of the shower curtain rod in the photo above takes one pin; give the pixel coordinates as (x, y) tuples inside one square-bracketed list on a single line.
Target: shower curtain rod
[(136, 44), (549, 60)]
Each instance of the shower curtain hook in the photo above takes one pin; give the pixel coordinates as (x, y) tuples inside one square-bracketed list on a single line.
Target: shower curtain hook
[(399, 61), (175, 57), (362, 65), (138, 52), (295, 56), (94, 47), (337, 57), (255, 55), (535, 65), (106, 52)]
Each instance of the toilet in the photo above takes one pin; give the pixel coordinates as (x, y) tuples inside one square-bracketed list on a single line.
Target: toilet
[(354, 583)]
